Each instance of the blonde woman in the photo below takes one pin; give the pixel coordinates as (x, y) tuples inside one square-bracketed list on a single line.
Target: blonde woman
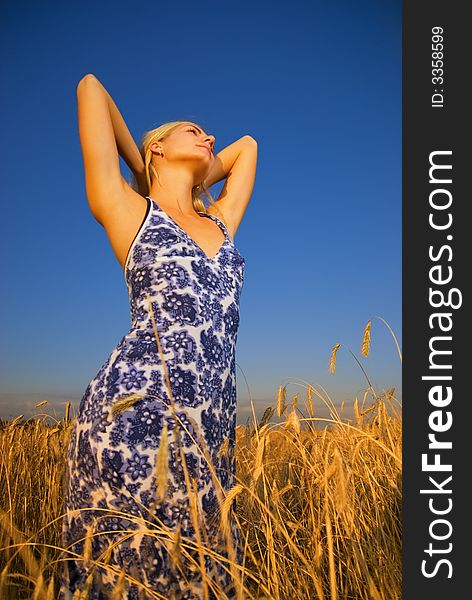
[(167, 391)]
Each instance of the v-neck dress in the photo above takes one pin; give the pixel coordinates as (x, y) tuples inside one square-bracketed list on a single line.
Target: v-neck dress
[(192, 301)]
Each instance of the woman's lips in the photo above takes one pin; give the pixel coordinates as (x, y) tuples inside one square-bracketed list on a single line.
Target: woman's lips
[(206, 147)]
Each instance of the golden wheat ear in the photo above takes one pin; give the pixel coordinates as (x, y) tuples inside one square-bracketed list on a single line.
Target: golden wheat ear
[(124, 403), (366, 339), (332, 360), (162, 463), (281, 400)]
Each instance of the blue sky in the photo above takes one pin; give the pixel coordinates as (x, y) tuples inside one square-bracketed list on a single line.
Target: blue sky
[(317, 84)]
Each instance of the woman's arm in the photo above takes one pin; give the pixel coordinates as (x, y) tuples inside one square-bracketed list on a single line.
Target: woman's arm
[(127, 148), (237, 163), (226, 158), (103, 132)]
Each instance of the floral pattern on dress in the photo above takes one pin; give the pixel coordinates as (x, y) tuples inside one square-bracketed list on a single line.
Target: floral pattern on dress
[(192, 301)]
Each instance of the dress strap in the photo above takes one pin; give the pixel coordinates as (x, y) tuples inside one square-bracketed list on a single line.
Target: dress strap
[(218, 220)]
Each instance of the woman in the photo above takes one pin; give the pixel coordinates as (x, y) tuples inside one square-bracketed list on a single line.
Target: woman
[(168, 388)]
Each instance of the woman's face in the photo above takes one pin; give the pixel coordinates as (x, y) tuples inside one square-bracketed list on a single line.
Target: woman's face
[(189, 142)]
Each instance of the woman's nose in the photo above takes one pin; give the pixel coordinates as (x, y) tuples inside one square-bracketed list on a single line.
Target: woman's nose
[(210, 139)]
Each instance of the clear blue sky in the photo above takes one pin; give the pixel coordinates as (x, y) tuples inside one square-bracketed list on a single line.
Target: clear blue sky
[(317, 84)]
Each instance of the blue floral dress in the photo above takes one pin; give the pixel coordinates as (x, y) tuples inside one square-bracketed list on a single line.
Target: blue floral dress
[(192, 301)]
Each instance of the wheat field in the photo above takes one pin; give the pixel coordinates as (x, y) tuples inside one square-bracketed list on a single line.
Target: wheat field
[(318, 501)]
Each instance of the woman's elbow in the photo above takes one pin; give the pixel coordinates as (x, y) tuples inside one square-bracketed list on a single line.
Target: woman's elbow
[(250, 139), (86, 78)]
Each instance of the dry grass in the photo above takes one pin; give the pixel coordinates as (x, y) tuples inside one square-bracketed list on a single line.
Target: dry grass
[(319, 501)]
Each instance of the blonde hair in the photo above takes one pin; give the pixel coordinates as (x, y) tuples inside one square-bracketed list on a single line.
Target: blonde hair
[(156, 135)]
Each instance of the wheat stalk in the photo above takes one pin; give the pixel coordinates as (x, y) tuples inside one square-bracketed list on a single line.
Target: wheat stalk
[(175, 550), (394, 337), (41, 403), (310, 400), (292, 422), (224, 448), (120, 586), (366, 339), (24, 550), (259, 459), (162, 462), (228, 501), (281, 398), (124, 403), (332, 361)]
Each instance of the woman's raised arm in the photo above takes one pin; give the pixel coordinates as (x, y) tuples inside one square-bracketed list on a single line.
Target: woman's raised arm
[(237, 163), (103, 135)]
